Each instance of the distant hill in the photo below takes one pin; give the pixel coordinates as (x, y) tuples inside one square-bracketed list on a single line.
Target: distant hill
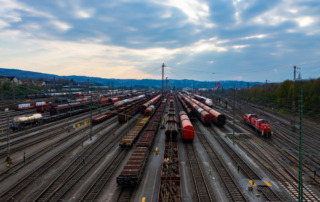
[(22, 74)]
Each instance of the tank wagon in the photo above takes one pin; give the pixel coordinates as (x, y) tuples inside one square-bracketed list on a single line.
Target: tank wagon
[(126, 115), (153, 101), (260, 125), (202, 114), (217, 118), (116, 109), (20, 122), (82, 103), (204, 100), (192, 114)]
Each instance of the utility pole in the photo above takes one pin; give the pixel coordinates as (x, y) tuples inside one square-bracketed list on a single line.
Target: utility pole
[(293, 100), (54, 83), (234, 101), (163, 65), (167, 84), (8, 138), (88, 86), (91, 116), (300, 147), (13, 94), (265, 94)]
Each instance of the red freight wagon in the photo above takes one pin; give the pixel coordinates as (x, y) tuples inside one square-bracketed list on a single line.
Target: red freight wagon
[(187, 127)]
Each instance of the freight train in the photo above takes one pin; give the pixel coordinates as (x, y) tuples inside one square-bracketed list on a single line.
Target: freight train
[(132, 173), (202, 114), (83, 103), (205, 113), (192, 114), (218, 118), (26, 106), (204, 100), (117, 109), (171, 123), (260, 125)]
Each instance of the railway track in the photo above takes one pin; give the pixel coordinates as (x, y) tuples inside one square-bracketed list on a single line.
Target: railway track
[(13, 169), (233, 191), (310, 164), (246, 169), (57, 123), (199, 178), (277, 168), (288, 140), (97, 185), (125, 194), (76, 170), (58, 190), (25, 181), (37, 137)]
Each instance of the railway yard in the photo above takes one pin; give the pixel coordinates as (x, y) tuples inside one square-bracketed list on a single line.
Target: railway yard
[(154, 147)]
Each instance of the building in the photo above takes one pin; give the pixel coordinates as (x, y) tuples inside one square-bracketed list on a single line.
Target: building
[(11, 79)]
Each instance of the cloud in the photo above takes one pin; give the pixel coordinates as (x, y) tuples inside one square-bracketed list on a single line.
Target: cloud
[(102, 38), (305, 21), (62, 57), (295, 13), (83, 14), (61, 25), (254, 37), (197, 12), (3, 24), (239, 46)]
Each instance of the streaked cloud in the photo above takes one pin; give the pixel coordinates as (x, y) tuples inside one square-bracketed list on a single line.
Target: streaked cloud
[(110, 39), (305, 21), (61, 25), (260, 36), (197, 12)]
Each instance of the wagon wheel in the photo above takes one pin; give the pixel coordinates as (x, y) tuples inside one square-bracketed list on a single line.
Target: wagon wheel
[(22, 125)]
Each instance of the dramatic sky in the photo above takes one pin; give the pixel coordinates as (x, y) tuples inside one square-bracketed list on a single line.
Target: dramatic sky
[(251, 40)]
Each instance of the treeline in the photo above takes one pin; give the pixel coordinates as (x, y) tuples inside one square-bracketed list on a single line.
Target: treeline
[(279, 96), (9, 91)]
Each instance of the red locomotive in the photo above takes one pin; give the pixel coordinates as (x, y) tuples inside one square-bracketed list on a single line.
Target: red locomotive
[(261, 125)]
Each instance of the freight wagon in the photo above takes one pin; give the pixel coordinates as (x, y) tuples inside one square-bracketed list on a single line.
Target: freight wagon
[(186, 127), (128, 140), (218, 118), (171, 131), (133, 171), (20, 122)]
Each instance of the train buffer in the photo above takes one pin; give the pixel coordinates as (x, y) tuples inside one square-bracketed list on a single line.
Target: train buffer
[(260, 183)]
